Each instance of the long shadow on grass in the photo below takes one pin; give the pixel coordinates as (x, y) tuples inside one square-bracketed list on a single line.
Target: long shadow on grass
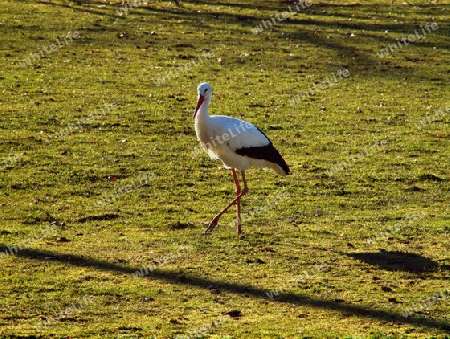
[(236, 288)]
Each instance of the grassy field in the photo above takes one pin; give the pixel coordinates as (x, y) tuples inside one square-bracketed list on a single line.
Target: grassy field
[(105, 192)]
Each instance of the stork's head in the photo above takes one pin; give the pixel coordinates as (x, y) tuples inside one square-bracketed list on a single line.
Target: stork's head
[(204, 94)]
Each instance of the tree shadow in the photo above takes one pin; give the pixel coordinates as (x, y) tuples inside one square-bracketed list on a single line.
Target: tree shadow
[(311, 26), (235, 288), (397, 261)]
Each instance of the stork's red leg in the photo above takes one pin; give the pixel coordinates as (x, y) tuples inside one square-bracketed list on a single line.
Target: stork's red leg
[(236, 200), (238, 196)]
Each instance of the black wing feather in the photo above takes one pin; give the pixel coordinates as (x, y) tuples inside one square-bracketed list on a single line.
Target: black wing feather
[(268, 152)]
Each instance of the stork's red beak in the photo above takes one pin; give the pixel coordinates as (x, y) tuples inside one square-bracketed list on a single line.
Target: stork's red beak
[(201, 98)]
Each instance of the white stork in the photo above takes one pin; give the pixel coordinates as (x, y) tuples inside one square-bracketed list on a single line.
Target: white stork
[(238, 144)]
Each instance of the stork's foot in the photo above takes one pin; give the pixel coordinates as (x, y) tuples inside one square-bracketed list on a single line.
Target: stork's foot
[(211, 225), (239, 229)]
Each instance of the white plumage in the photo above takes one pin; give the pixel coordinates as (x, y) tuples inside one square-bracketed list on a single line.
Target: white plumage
[(238, 144)]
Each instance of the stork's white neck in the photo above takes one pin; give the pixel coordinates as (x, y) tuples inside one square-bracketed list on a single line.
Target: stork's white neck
[(202, 113), (203, 122)]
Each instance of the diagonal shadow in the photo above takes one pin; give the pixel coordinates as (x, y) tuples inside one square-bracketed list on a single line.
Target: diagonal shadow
[(236, 288)]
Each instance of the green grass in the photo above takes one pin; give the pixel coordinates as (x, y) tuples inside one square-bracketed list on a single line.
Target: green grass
[(349, 251)]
